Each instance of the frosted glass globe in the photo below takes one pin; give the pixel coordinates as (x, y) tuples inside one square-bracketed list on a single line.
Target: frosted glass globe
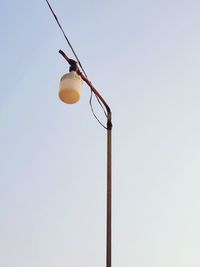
[(70, 88)]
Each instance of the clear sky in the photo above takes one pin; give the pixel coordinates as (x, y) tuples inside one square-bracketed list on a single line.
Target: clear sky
[(144, 57)]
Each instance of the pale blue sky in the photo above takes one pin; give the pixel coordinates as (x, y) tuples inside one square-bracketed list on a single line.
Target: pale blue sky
[(144, 57)]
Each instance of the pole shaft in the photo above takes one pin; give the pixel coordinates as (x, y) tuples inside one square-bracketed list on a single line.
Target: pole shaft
[(109, 193)]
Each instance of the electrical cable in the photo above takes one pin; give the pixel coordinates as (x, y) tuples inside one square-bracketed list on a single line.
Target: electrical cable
[(94, 112), (66, 38), (99, 101), (104, 110)]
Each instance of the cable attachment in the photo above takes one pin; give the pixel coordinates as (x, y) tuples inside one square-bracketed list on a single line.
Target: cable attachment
[(109, 121), (109, 125)]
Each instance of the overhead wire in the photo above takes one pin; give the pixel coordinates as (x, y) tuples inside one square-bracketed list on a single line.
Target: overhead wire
[(66, 38), (79, 63)]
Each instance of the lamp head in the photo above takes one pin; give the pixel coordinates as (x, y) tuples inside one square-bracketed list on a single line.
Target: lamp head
[(70, 87)]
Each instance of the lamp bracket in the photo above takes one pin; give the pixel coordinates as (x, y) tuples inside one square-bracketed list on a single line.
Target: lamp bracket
[(73, 65)]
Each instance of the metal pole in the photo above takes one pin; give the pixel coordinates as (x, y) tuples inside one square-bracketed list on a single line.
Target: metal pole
[(109, 192)]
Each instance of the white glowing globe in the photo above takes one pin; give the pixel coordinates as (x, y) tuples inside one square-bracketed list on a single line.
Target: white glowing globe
[(70, 88)]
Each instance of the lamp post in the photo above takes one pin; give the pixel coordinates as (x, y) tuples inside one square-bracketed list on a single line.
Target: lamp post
[(70, 89)]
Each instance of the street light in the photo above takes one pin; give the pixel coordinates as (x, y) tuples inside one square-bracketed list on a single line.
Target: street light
[(69, 92)]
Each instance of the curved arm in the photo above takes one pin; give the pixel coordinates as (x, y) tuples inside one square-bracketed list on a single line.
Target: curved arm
[(73, 63)]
